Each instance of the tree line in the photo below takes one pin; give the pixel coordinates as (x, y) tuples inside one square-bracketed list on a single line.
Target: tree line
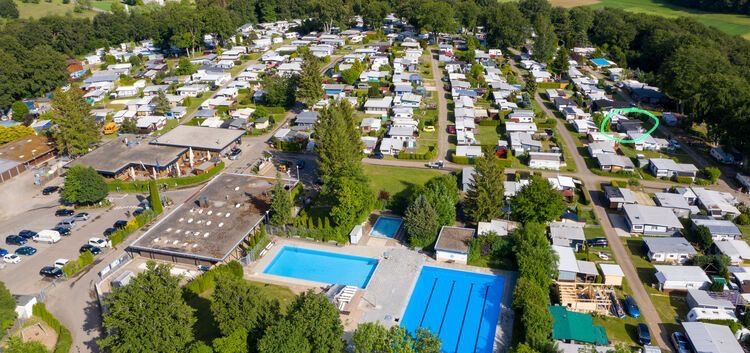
[(728, 6)]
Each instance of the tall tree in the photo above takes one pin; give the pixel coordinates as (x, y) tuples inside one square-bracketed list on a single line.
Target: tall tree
[(374, 13), (560, 64), (372, 337), (319, 322), (45, 71), (545, 42), (484, 199), (421, 223), (351, 200), (76, 129), (148, 315), (310, 86), (338, 145), (161, 104), (468, 13), (83, 186), (236, 342), (506, 25), (442, 193), (281, 204), (285, 337), (279, 90), (535, 9), (20, 110), (11, 78), (436, 17), (537, 202), (237, 305), (153, 197), (7, 309)]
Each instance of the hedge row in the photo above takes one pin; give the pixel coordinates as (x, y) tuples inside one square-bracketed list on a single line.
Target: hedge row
[(168, 183), (207, 280), (74, 266), (133, 225), (461, 159), (490, 123), (64, 339)]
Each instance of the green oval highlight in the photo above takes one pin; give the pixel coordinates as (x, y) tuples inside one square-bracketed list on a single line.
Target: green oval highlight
[(614, 112)]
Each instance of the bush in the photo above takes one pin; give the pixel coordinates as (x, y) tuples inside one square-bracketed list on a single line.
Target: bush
[(619, 183), (461, 159), (684, 180), (743, 219), (73, 267), (64, 339), (168, 183), (702, 182), (134, 224), (490, 123), (207, 280), (634, 182)]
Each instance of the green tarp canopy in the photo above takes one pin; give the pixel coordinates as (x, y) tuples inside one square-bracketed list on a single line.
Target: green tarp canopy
[(572, 326)]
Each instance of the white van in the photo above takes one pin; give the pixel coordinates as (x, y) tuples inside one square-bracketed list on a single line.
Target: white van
[(48, 236)]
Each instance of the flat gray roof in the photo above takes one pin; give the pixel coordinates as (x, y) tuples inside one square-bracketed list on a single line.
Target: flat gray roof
[(454, 239), (651, 215), (114, 156), (711, 338), (666, 199), (677, 245), (718, 226), (197, 137), (235, 205)]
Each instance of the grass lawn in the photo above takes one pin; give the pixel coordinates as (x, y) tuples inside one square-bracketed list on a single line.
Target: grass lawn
[(729, 23), (487, 135), (102, 5), (398, 182), (54, 8), (619, 330), (593, 232)]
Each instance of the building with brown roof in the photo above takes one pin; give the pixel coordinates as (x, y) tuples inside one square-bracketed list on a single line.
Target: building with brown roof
[(453, 244), (24, 153)]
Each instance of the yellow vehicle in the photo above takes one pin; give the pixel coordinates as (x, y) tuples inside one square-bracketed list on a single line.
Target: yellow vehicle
[(428, 128), (110, 128)]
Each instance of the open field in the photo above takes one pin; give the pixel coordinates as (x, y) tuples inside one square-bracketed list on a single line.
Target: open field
[(729, 23), (54, 8)]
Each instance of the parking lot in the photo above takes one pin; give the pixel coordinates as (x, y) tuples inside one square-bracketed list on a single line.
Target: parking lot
[(24, 277)]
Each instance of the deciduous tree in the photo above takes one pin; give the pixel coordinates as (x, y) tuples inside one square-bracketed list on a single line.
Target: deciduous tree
[(239, 306), (421, 223), (236, 342), (8, 9), (545, 42), (148, 315), (7, 309), (84, 186), (537, 202), (20, 110)]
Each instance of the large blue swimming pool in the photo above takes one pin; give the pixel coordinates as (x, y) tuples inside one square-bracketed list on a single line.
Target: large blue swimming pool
[(386, 227), (462, 308), (322, 266)]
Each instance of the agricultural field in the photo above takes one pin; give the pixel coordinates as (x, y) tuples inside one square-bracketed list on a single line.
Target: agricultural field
[(729, 23), (53, 8)]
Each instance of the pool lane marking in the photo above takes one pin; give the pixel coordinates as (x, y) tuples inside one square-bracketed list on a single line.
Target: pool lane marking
[(463, 320), (447, 305), (432, 291), (481, 316)]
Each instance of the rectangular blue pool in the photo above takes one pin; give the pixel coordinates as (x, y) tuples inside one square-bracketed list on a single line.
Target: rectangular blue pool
[(461, 307), (322, 266), (386, 227), (601, 62)]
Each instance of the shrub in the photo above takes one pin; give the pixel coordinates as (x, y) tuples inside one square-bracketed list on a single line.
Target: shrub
[(702, 182), (634, 182), (73, 267), (743, 219), (461, 159), (490, 123), (619, 183), (64, 339), (134, 224), (207, 280), (684, 180), (168, 183)]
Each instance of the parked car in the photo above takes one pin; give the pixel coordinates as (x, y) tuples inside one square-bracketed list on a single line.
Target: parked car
[(644, 337), (48, 236), (137, 211), (3, 252), (26, 250), (675, 143), (15, 240), (98, 242), (11, 259), (234, 154), (50, 190), (51, 272), (597, 242), (428, 128), (107, 232), (603, 256), (451, 129), (90, 248), (680, 343), (28, 234), (62, 230), (631, 307), (67, 223), (59, 263), (83, 216), (120, 224), (64, 212)]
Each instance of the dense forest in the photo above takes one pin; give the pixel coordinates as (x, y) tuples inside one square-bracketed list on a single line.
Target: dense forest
[(705, 71), (729, 6)]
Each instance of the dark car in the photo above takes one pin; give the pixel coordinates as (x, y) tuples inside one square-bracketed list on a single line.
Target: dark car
[(120, 224), (680, 343), (597, 242), (90, 248), (644, 337), (51, 272), (28, 234), (234, 154), (62, 230), (3, 252), (137, 211), (301, 164), (15, 240), (50, 190), (26, 250), (64, 212), (631, 307), (451, 129), (107, 232)]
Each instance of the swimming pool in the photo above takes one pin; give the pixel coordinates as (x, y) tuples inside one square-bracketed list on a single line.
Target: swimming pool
[(601, 62), (386, 227), (461, 307), (322, 266)]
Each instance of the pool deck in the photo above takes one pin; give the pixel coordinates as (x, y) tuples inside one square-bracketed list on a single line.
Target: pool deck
[(390, 287)]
